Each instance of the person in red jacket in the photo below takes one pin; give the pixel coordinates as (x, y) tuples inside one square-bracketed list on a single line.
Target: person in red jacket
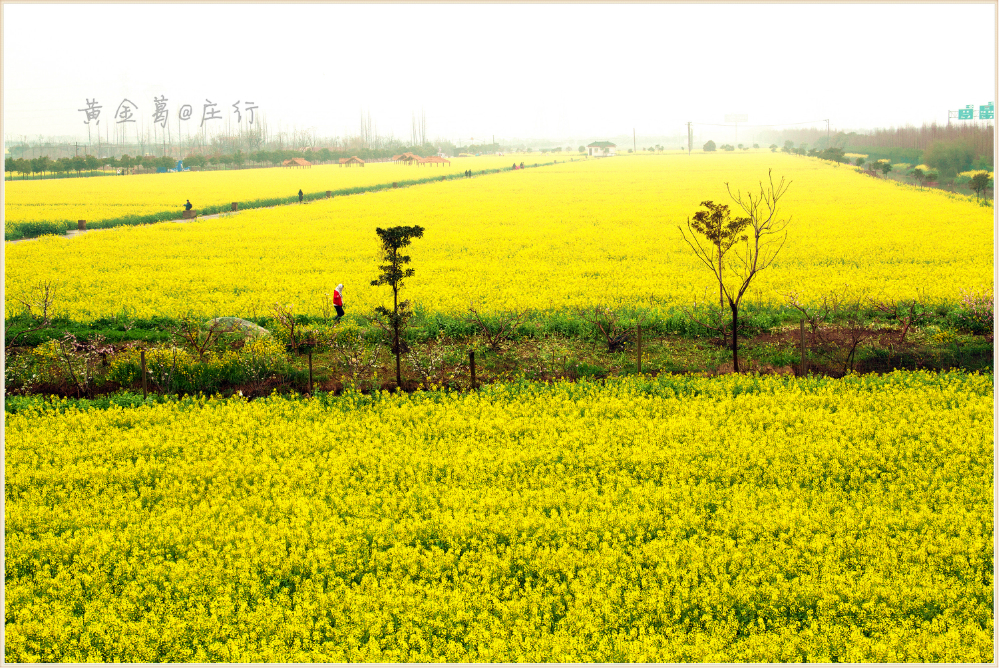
[(338, 302)]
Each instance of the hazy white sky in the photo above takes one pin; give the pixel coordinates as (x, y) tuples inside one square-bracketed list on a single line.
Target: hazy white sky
[(509, 70)]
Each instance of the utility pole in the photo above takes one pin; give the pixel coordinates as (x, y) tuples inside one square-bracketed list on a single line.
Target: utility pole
[(634, 144), (827, 132), (690, 137)]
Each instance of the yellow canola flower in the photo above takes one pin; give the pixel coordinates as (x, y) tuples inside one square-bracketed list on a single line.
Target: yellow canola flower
[(99, 198), (973, 172), (569, 235), (665, 520)]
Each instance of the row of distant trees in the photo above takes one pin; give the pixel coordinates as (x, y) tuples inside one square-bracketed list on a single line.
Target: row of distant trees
[(951, 149), (711, 146), (77, 165), (947, 157), (912, 138)]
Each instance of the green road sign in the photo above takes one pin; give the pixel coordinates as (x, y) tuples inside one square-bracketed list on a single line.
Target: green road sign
[(986, 114), (965, 114), (986, 111)]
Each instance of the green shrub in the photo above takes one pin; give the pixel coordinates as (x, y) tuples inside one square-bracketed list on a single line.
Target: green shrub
[(30, 229), (974, 313), (171, 369)]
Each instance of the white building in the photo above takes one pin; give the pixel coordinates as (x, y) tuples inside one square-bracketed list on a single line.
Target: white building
[(600, 149)]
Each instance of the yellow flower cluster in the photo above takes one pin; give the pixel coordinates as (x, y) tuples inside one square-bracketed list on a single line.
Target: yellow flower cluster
[(973, 172), (100, 198), (567, 235), (675, 519)]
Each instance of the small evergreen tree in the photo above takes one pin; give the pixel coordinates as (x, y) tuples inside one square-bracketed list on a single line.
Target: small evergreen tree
[(392, 240)]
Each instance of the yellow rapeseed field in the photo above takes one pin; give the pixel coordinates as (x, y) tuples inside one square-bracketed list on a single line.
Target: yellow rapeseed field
[(676, 519), (568, 235), (104, 197)]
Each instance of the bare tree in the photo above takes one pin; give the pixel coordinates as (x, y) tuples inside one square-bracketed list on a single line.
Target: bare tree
[(359, 361), (37, 302), (365, 129), (191, 330), (694, 315), (284, 316), (432, 364), (80, 359), (507, 325), (762, 237), (368, 135), (908, 312), (839, 347), (607, 323)]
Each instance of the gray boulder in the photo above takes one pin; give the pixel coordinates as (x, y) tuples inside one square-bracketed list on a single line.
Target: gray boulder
[(246, 328)]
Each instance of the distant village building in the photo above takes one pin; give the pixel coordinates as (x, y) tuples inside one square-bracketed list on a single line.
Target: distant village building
[(600, 149)]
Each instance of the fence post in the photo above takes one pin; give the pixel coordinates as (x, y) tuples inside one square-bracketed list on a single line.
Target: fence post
[(310, 373), (802, 347), (471, 366), (235, 206), (142, 358), (639, 347), (81, 225)]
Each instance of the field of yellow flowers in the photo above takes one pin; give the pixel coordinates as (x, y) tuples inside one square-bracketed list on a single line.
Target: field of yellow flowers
[(100, 198), (674, 519), (566, 235)]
